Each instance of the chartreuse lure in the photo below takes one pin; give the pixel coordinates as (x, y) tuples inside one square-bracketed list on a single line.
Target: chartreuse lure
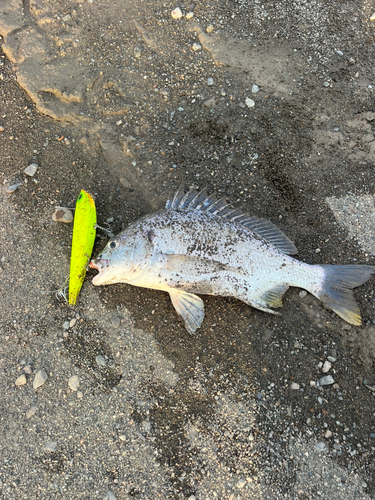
[(84, 231)]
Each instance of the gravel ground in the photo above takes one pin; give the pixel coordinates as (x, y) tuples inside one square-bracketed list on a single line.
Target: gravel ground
[(270, 104)]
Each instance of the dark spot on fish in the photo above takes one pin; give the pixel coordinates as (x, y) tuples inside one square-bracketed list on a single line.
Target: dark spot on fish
[(80, 197), (151, 235)]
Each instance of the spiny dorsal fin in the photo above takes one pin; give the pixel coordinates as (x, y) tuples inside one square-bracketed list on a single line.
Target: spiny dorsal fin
[(212, 204)]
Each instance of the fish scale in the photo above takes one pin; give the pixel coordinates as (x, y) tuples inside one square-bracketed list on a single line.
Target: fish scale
[(201, 245)]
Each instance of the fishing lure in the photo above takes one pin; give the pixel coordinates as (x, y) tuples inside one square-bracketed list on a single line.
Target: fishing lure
[(84, 231)]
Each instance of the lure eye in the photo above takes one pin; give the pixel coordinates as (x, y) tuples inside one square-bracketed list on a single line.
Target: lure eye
[(113, 244)]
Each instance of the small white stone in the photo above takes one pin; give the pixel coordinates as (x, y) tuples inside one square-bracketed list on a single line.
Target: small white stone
[(122, 437), (189, 15), (13, 187), (110, 496), (327, 380), (176, 13), (21, 380), (100, 360), (62, 214), (302, 293), (72, 322), (196, 47), (73, 382), (312, 383), (31, 169), (31, 411), (210, 81), (294, 386), (79, 394), (328, 434), (249, 102), (326, 367), (40, 378), (137, 52), (52, 446), (209, 28), (254, 89)]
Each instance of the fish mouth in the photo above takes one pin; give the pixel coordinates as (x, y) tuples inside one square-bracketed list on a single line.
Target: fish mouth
[(99, 265)]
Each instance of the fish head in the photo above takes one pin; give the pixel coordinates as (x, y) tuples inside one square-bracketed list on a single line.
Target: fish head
[(122, 260)]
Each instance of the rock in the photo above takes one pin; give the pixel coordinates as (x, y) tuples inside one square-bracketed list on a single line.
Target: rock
[(327, 380), (62, 214), (241, 483), (302, 293), (210, 81), (176, 13), (79, 394), (21, 380), (116, 321), (189, 15), (100, 360), (13, 187), (31, 169), (328, 434), (31, 411), (210, 103), (72, 322), (51, 446), (196, 46), (331, 359), (254, 89), (294, 386), (209, 28), (110, 496), (326, 367), (249, 102), (137, 52), (321, 446), (2, 128), (125, 183), (73, 382), (28, 370), (40, 378)]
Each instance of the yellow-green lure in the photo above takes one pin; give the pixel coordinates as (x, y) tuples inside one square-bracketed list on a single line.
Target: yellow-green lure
[(84, 231)]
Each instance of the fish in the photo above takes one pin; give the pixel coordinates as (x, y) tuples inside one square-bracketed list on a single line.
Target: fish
[(200, 245), (84, 232)]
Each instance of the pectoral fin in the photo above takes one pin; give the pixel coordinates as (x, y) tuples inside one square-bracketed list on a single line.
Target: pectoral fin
[(190, 307)]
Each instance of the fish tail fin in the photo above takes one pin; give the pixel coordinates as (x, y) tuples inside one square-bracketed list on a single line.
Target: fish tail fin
[(336, 291)]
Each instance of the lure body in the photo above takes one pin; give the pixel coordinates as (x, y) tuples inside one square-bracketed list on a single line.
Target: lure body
[(84, 231)]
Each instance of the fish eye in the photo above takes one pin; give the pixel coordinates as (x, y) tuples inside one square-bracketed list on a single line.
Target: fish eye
[(113, 244)]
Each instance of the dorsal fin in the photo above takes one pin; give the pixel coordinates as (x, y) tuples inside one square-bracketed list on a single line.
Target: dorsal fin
[(195, 200)]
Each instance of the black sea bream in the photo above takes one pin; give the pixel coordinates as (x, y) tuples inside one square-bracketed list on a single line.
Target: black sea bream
[(200, 245)]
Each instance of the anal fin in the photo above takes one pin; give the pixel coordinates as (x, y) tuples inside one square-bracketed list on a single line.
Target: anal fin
[(190, 307), (274, 296)]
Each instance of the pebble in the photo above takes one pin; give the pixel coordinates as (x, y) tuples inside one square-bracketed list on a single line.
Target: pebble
[(31, 411), (254, 89), (52, 446), (116, 321), (328, 434), (176, 13), (326, 84), (327, 380), (72, 322), (125, 183), (110, 496), (312, 383), (326, 367), (249, 102), (210, 81), (66, 325), (62, 214), (13, 187), (2, 128), (31, 169), (294, 386), (302, 293), (196, 46), (210, 103), (40, 378), (21, 380), (79, 394), (241, 483), (321, 446), (209, 28), (331, 359), (100, 360), (189, 15), (73, 382), (137, 52), (28, 370)]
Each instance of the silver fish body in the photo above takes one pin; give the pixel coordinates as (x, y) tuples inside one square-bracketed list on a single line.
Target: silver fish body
[(199, 245)]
